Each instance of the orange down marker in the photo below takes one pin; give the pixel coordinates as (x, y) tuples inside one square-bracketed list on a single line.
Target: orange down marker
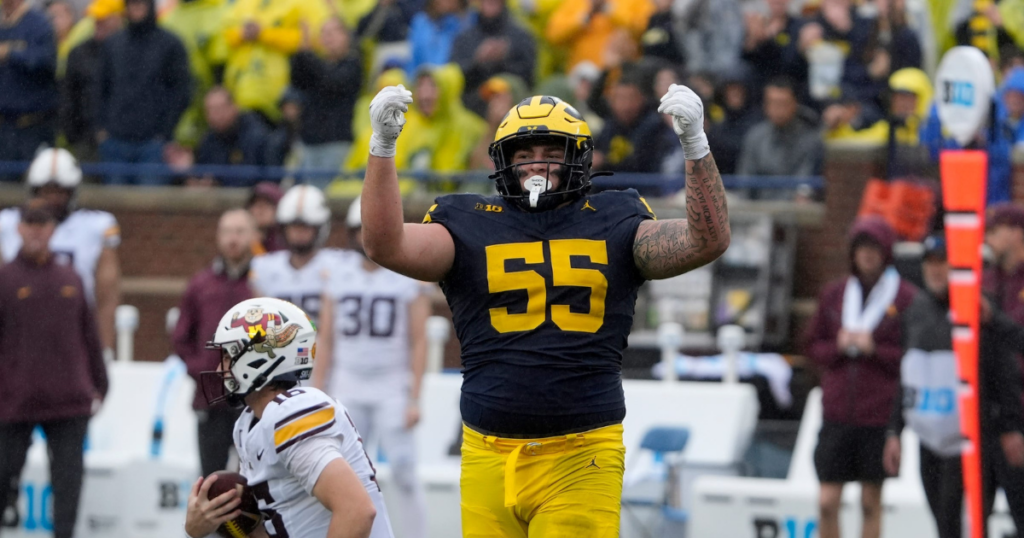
[(964, 176)]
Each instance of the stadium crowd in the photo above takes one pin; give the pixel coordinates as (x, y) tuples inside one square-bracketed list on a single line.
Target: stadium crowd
[(288, 82)]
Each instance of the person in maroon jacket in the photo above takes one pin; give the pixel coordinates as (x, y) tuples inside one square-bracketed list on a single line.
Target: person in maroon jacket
[(1004, 278), (212, 292), (262, 205), (855, 339), (52, 373)]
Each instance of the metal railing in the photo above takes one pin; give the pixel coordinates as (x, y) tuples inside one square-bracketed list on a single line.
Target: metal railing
[(235, 174)]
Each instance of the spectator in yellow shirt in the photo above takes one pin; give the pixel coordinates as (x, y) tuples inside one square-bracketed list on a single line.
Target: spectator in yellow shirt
[(586, 27), (261, 37), (911, 97), (440, 133)]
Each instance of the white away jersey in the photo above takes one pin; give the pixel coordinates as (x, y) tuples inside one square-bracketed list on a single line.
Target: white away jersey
[(272, 275), (269, 450), (371, 319), (78, 241)]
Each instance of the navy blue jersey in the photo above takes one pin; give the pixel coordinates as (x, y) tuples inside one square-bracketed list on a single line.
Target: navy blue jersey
[(543, 305)]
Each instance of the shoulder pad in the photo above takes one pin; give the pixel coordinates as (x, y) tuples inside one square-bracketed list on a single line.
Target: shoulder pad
[(444, 205), (628, 200), (298, 414)]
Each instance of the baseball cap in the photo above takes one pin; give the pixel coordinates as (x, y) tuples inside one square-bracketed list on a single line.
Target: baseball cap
[(265, 190), (935, 246), (101, 9), (1006, 213), (37, 211), (494, 86)]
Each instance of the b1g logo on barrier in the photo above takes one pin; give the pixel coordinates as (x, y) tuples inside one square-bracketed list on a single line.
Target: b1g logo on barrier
[(957, 92), (964, 86), (173, 495), (787, 527), (37, 515)]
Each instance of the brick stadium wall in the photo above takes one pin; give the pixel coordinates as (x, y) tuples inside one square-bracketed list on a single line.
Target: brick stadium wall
[(168, 234)]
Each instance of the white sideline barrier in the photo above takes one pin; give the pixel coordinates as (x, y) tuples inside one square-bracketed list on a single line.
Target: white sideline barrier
[(768, 508), (721, 419), (127, 493)]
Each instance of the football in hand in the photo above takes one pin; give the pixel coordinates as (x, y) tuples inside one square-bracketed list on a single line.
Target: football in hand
[(246, 522)]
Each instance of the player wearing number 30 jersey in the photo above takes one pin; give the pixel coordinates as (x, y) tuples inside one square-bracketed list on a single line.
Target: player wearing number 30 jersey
[(298, 449), (298, 275), (542, 281)]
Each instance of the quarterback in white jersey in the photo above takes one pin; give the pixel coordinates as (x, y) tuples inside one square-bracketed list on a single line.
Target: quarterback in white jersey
[(301, 455), (84, 239), (373, 339), (299, 274)]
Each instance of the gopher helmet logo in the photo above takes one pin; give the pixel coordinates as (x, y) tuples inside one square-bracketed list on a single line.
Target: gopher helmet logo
[(267, 331)]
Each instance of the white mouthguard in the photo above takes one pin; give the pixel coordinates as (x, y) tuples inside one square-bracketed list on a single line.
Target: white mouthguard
[(537, 185)]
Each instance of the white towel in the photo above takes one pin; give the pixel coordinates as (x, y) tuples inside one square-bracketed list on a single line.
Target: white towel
[(858, 317)]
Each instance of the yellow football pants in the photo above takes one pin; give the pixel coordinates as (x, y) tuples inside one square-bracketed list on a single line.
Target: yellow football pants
[(567, 486)]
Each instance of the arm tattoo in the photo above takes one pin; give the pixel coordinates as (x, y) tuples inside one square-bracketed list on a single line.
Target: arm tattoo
[(672, 247)]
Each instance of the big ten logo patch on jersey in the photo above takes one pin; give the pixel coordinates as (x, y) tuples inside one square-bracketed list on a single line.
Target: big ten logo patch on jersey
[(489, 208), (787, 527)]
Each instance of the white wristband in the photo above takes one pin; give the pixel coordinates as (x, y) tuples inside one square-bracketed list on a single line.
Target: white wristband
[(695, 147), (381, 146)]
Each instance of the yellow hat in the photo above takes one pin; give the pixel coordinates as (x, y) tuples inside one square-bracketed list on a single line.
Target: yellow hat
[(101, 9), (494, 86)]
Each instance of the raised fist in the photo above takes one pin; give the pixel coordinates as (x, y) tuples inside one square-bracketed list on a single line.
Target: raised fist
[(687, 113), (387, 117)]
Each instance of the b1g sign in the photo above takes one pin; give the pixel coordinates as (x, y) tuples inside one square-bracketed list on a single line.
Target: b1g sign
[(964, 86), (787, 527)]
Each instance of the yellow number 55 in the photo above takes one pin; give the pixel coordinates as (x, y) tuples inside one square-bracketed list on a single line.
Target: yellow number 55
[(562, 273)]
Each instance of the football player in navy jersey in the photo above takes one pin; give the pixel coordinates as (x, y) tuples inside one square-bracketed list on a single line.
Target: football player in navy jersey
[(542, 281)]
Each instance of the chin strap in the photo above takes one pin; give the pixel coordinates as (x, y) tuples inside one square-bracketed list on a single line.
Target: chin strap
[(537, 185)]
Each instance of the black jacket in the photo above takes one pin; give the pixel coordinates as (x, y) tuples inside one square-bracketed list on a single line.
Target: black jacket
[(79, 90), (520, 59), (330, 91), (659, 40), (27, 81), (640, 147), (243, 144), (927, 327), (145, 83)]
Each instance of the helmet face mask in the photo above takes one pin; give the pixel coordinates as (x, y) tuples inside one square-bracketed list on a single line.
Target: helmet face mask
[(261, 341), (543, 121)]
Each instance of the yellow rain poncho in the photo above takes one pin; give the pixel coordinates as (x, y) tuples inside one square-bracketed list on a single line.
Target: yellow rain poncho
[(908, 79), (257, 72)]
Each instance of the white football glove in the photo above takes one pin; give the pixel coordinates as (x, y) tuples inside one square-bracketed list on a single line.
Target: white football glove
[(387, 117), (687, 120)]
